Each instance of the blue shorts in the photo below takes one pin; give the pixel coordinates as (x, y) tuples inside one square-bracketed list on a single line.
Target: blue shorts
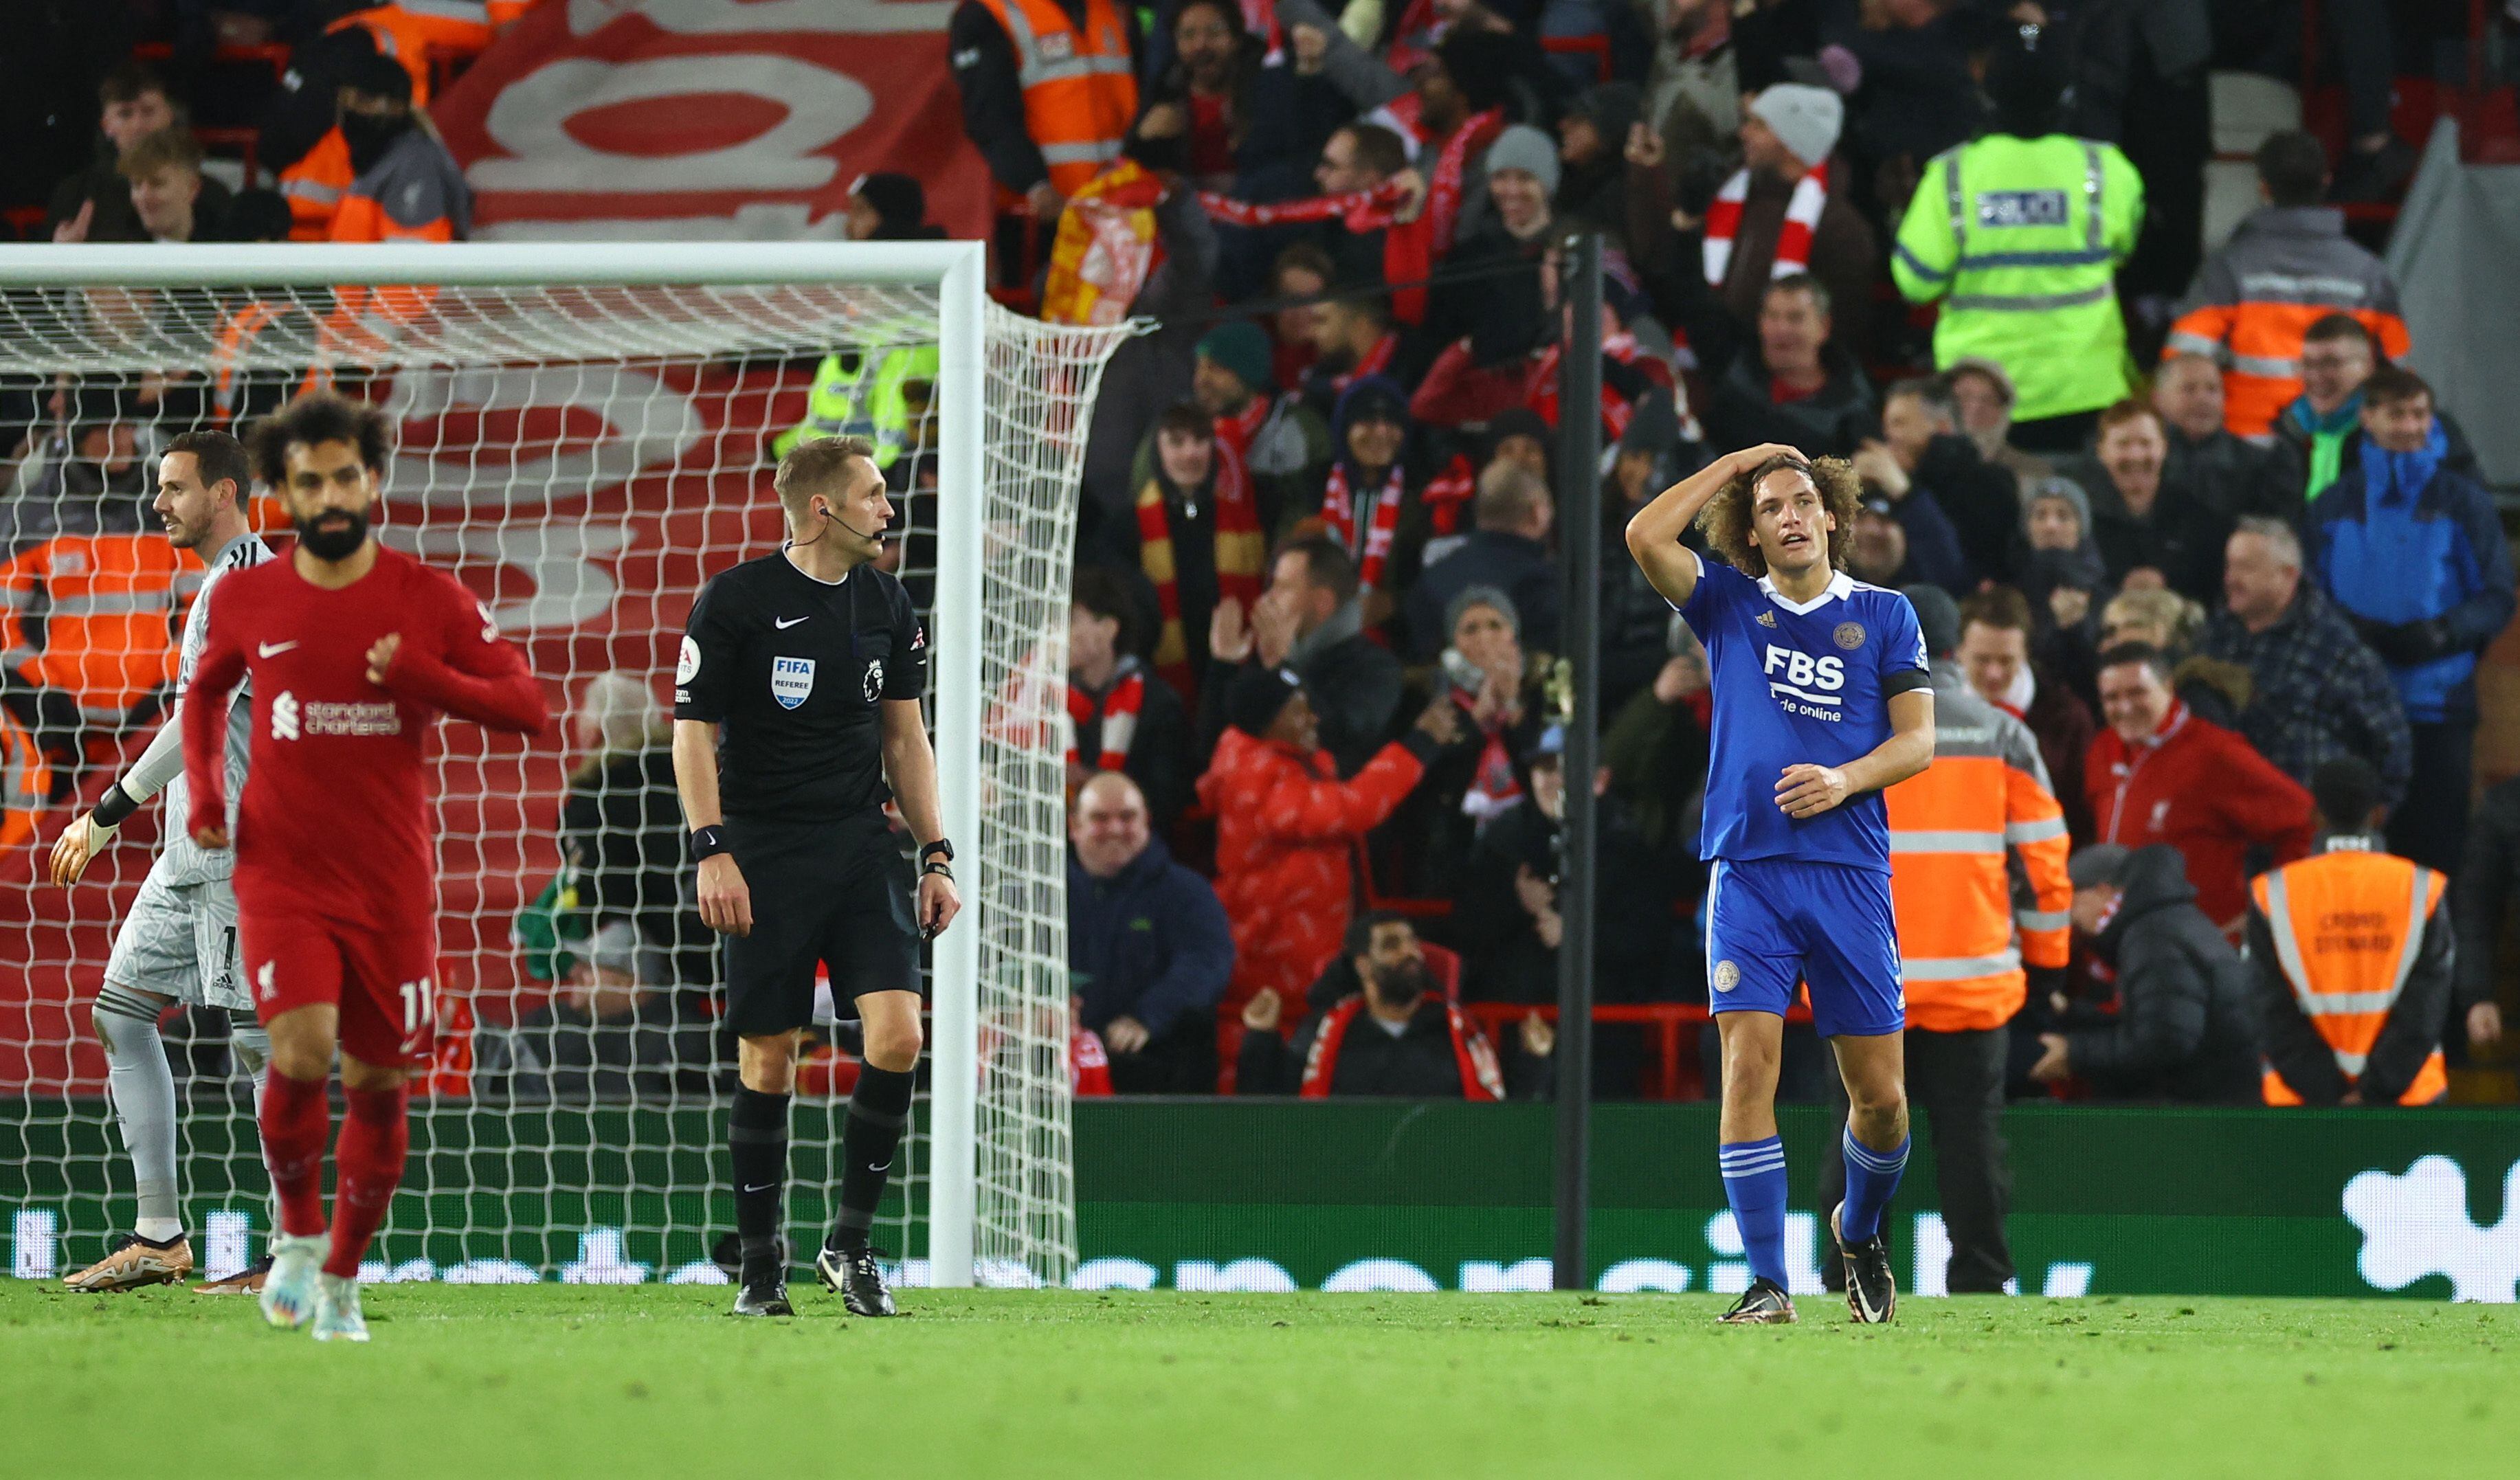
[(1773, 922)]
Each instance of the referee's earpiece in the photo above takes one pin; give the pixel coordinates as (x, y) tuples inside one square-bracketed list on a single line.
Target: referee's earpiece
[(876, 537)]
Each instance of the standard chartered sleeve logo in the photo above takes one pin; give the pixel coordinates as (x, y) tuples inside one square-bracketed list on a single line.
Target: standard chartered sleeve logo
[(283, 716), (2417, 1226)]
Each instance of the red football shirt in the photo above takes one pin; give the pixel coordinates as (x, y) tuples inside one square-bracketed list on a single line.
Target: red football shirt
[(335, 821)]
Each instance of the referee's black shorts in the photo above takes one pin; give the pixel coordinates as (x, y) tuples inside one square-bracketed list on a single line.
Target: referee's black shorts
[(840, 893)]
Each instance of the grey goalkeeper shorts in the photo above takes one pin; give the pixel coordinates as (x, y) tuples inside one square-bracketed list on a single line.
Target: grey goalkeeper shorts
[(180, 941)]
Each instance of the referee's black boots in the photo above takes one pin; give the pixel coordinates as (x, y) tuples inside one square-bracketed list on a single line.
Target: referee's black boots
[(855, 1277), (764, 1294)]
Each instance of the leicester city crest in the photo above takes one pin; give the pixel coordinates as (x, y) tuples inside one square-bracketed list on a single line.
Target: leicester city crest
[(792, 679)]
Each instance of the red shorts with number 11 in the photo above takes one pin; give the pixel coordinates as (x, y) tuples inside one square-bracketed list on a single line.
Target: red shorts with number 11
[(381, 980)]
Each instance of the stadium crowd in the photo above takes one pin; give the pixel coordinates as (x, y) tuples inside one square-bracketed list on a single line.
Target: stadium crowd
[(2187, 518)]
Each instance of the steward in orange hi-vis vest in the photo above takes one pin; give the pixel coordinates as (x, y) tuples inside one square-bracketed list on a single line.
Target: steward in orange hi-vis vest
[(1977, 881), (1080, 88), (2353, 954), (95, 616), (1977, 868)]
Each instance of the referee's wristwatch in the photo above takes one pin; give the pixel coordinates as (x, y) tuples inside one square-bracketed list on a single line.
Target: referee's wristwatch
[(936, 858)]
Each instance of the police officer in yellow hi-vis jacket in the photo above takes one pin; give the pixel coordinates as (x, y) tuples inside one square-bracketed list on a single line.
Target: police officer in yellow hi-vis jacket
[(2352, 952), (2019, 233)]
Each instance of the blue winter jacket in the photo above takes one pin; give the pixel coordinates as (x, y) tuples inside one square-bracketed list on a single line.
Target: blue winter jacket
[(2397, 539), (1150, 942)]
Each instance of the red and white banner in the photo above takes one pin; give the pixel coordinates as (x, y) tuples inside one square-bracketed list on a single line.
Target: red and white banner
[(709, 120)]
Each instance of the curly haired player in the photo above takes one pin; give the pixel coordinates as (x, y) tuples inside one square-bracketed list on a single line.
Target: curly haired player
[(1810, 665), (352, 648)]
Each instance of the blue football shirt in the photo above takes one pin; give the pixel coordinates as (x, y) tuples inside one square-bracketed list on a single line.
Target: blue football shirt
[(1798, 684)]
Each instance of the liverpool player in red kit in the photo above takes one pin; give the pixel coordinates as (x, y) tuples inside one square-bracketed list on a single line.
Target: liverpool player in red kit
[(352, 648)]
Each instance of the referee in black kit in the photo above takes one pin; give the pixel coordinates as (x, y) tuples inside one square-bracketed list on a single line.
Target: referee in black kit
[(795, 698)]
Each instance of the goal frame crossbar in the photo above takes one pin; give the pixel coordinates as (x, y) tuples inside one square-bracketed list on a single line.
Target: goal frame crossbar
[(957, 272)]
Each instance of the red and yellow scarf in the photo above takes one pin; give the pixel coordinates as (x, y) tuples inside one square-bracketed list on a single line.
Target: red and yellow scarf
[(1239, 552), (1106, 248)]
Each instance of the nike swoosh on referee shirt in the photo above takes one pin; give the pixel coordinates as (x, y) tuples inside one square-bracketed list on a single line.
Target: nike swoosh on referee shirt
[(764, 1187), (784, 623), (274, 650)]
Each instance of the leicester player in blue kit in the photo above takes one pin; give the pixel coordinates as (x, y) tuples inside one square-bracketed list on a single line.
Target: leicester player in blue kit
[(1822, 701)]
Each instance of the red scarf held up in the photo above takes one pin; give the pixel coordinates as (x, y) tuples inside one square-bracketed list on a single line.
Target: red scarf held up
[(1408, 248), (1793, 239), (1118, 710), (1481, 1080), (1444, 184), (1413, 39)]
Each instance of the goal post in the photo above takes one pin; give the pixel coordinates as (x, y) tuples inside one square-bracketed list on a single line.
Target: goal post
[(595, 414)]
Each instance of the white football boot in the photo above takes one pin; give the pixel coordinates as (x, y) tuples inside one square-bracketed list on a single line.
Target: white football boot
[(337, 1310), (288, 1295)]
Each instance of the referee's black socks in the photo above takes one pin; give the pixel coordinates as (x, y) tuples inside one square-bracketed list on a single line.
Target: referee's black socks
[(878, 1110), (757, 1134)]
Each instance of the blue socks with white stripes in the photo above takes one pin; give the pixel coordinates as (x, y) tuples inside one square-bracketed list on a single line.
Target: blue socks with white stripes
[(1754, 1183), (1870, 1178)]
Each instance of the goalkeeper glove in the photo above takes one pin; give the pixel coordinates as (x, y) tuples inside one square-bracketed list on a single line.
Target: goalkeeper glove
[(79, 844)]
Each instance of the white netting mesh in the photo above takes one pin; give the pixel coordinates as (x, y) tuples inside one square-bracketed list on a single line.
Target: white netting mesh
[(584, 457)]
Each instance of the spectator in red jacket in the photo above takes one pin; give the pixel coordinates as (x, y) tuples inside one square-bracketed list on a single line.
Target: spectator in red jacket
[(1287, 827), (2160, 775)]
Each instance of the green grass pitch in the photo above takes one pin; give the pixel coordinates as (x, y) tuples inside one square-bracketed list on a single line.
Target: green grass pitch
[(574, 1380)]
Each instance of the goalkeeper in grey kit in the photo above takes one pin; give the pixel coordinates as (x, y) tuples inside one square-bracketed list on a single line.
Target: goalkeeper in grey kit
[(796, 696), (178, 943)]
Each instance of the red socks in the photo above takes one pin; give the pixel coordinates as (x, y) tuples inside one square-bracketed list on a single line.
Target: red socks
[(295, 1122), (375, 1137)]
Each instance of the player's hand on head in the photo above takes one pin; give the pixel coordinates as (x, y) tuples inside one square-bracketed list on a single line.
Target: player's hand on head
[(1809, 791), (938, 902), (380, 657), (725, 899)]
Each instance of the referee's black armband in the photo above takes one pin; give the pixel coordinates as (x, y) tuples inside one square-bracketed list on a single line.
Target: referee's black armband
[(1906, 681), (114, 806), (707, 842)]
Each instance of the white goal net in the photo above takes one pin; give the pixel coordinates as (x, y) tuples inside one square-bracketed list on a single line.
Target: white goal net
[(584, 434)]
